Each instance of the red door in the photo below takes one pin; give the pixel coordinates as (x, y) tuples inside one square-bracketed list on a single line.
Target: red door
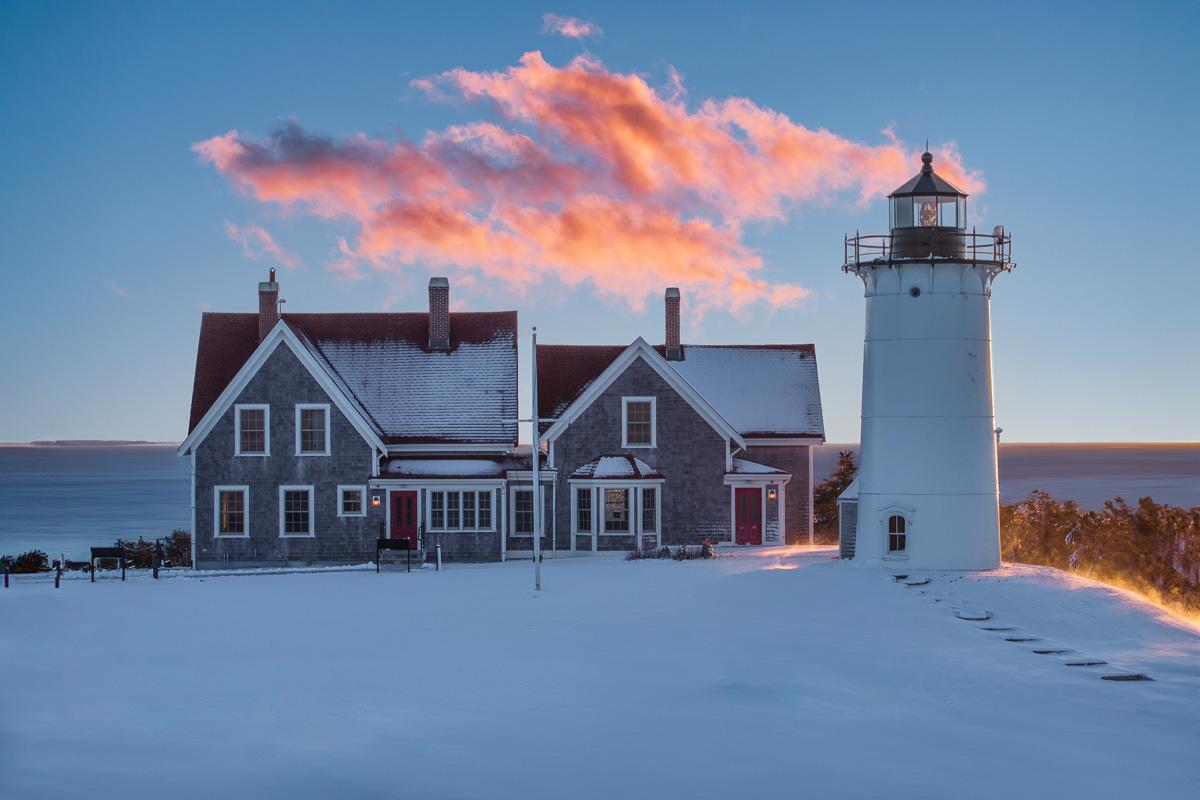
[(749, 515), (404, 517)]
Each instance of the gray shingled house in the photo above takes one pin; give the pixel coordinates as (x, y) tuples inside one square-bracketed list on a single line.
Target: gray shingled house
[(313, 434), (676, 444)]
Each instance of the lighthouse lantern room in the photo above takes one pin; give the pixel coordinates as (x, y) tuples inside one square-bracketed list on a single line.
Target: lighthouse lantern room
[(927, 488)]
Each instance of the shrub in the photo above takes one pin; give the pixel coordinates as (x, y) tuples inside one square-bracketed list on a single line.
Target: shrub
[(177, 549), (825, 495), (26, 563)]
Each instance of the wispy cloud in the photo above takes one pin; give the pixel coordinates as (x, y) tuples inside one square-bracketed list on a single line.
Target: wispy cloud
[(117, 290), (569, 26), (588, 176), (257, 243)]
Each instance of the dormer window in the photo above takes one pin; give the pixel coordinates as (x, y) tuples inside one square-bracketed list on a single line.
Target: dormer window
[(638, 425)]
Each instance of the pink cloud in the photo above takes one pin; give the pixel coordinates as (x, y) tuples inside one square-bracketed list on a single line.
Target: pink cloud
[(117, 290), (569, 26), (589, 177), (257, 243)]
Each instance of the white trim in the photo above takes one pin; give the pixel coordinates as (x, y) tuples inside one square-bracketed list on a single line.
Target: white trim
[(195, 533), (245, 534), (238, 408), (280, 333), (908, 514), (312, 512), (625, 401), (790, 442), (811, 539), (328, 424), (362, 490), (657, 513), (640, 349), (443, 447), (748, 479), (782, 511)]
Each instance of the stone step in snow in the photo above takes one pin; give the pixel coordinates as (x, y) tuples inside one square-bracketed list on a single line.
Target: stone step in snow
[(1022, 638), (1054, 651), (1086, 662), (972, 614), (1126, 676)]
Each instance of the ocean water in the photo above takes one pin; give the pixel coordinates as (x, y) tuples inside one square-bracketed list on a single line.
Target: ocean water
[(1089, 474), (63, 500)]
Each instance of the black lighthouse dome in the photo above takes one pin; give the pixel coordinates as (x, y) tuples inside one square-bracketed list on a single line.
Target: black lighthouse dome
[(928, 216)]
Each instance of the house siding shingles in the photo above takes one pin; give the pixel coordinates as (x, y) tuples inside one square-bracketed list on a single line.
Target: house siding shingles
[(695, 501), (283, 382), (792, 459)]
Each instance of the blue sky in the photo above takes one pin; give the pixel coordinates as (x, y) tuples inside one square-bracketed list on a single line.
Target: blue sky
[(1081, 120)]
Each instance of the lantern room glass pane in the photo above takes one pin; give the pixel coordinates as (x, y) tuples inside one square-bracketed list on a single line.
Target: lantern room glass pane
[(925, 209), (903, 211), (948, 206)]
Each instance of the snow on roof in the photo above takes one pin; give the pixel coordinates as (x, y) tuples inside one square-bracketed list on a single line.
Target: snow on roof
[(451, 467), (381, 362), (851, 491), (743, 467), (617, 467), (760, 391)]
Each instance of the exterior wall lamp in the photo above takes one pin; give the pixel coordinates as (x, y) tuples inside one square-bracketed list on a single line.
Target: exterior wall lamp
[(375, 500), (770, 494)]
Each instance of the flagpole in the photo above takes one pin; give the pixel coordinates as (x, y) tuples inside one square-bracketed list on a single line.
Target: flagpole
[(537, 480)]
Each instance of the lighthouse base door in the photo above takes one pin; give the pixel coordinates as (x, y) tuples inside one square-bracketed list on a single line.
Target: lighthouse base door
[(404, 518), (748, 515)]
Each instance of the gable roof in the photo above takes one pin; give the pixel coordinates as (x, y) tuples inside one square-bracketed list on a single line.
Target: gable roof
[(763, 391), (383, 366), (617, 467), (594, 388)]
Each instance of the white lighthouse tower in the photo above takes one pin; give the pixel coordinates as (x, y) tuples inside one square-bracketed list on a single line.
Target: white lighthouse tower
[(927, 487)]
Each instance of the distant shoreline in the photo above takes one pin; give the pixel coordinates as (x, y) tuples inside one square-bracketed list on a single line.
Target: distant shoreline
[(88, 443)]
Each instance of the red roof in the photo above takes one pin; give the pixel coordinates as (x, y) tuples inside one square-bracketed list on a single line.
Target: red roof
[(337, 341)]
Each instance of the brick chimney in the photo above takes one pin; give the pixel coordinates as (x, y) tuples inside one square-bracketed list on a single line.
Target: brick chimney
[(439, 314), (674, 351), (268, 306)]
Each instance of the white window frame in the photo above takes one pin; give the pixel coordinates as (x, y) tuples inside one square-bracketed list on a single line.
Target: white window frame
[(328, 433), (657, 509), (630, 494), (513, 501), (312, 513), (908, 514), (445, 491), (362, 490), (591, 493), (237, 428), (625, 401), (245, 490)]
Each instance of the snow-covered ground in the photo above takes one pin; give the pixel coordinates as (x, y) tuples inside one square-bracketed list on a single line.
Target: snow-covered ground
[(776, 673)]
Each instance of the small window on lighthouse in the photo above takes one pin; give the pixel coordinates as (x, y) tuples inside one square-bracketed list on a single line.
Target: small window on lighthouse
[(897, 538)]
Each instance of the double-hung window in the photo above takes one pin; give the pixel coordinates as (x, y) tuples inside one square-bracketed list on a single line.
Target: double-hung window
[(649, 511), (897, 535), (352, 501), (312, 430), (295, 511), (616, 510), (523, 512), (252, 430), (583, 510), (460, 511), (231, 504), (638, 424)]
